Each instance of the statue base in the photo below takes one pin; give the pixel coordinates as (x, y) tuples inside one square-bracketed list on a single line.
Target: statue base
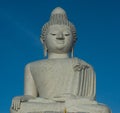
[(56, 112), (31, 107)]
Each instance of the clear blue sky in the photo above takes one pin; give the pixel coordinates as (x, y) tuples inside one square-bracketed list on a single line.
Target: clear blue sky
[(98, 31)]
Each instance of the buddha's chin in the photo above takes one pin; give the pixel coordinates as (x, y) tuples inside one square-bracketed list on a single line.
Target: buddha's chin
[(60, 47)]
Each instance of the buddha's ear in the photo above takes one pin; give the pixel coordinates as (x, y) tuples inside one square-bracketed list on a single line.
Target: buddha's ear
[(42, 41)]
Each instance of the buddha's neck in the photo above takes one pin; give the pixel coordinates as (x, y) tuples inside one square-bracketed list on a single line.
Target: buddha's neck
[(55, 55)]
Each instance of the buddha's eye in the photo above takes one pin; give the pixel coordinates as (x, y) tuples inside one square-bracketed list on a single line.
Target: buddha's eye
[(67, 34), (53, 34)]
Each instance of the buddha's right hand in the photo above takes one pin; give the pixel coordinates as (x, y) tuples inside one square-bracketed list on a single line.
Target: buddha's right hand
[(16, 102)]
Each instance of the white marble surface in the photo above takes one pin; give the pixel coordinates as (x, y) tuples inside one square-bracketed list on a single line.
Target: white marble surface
[(61, 83)]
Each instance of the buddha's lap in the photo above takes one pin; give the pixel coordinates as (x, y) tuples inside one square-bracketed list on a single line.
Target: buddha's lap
[(37, 107)]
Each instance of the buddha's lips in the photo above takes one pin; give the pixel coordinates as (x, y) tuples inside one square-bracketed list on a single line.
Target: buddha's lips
[(60, 41)]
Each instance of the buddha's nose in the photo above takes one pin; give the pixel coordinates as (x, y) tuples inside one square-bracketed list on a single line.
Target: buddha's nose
[(60, 36)]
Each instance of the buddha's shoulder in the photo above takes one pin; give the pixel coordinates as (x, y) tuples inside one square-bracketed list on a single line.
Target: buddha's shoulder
[(36, 63), (46, 62), (82, 62)]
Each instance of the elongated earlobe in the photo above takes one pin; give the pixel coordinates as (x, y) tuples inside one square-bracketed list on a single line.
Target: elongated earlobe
[(45, 51), (72, 53)]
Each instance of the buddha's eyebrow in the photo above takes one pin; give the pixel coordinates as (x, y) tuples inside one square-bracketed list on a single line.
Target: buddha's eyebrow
[(66, 31), (53, 32)]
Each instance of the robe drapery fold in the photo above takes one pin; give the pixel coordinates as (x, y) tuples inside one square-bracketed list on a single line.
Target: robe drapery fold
[(84, 83)]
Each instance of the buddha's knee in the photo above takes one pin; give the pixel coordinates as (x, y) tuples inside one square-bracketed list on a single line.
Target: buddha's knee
[(105, 109)]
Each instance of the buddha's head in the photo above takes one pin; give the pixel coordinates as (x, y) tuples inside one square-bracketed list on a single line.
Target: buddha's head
[(58, 34)]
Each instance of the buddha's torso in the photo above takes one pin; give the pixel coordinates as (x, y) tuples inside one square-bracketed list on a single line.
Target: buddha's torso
[(53, 77)]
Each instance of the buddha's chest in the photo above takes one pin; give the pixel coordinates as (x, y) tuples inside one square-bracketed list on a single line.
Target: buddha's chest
[(52, 70), (53, 76)]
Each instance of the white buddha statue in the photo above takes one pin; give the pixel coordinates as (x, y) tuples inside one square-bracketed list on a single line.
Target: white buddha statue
[(61, 83)]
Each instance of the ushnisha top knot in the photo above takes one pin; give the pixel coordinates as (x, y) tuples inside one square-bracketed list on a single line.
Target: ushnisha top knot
[(58, 11)]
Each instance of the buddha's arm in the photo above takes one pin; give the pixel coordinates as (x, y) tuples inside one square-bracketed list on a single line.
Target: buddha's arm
[(30, 91), (29, 84), (86, 79)]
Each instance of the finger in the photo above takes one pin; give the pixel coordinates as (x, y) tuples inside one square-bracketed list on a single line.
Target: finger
[(13, 105), (16, 105)]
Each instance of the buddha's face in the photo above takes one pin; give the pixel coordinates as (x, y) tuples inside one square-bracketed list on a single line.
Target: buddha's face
[(59, 39)]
